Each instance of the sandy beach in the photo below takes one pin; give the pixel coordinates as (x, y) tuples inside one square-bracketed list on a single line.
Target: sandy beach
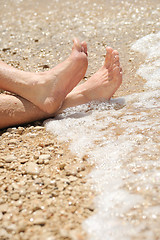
[(44, 193)]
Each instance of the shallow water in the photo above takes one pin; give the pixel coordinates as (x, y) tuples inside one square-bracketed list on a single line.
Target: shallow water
[(122, 139)]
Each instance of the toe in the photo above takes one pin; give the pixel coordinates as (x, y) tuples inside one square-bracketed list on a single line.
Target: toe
[(116, 70), (108, 57), (117, 75), (114, 60), (116, 64), (76, 45), (115, 52), (84, 46), (115, 56)]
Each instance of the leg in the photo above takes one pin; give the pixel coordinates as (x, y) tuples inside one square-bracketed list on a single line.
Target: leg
[(15, 110), (102, 85), (47, 90)]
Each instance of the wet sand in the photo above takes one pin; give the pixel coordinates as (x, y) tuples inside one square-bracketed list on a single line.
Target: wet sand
[(52, 198)]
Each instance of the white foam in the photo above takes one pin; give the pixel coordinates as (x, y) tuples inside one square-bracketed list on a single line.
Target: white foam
[(149, 46), (126, 130)]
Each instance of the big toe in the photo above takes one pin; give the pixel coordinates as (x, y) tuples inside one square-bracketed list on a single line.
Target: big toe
[(108, 57), (114, 60), (77, 45)]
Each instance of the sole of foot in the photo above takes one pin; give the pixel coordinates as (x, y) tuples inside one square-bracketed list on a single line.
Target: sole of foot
[(50, 88), (105, 82)]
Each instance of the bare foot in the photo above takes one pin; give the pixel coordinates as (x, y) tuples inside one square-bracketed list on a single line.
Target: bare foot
[(52, 86), (104, 83), (47, 90)]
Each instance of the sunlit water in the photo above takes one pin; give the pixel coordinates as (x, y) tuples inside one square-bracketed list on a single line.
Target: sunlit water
[(122, 138)]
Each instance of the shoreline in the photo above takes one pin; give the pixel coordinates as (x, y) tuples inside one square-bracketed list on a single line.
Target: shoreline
[(26, 207)]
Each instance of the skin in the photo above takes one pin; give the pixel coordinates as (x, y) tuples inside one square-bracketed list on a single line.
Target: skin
[(47, 90), (15, 110)]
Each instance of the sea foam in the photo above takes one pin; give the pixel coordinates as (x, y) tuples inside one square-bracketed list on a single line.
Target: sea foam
[(126, 156)]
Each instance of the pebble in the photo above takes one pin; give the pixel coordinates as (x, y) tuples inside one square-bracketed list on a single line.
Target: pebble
[(72, 178), (70, 170), (46, 162), (46, 181), (36, 206), (9, 158), (38, 190), (32, 168), (15, 186), (11, 147), (6, 49), (15, 196), (20, 130), (51, 148), (53, 182), (45, 157), (11, 166), (91, 207), (7, 217), (22, 227), (40, 161), (36, 156), (10, 227), (9, 130), (39, 221), (80, 167), (23, 160), (13, 141), (1, 165), (32, 135), (60, 152), (22, 192), (39, 128), (3, 208), (81, 174), (19, 203), (62, 166), (60, 187), (64, 233)]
